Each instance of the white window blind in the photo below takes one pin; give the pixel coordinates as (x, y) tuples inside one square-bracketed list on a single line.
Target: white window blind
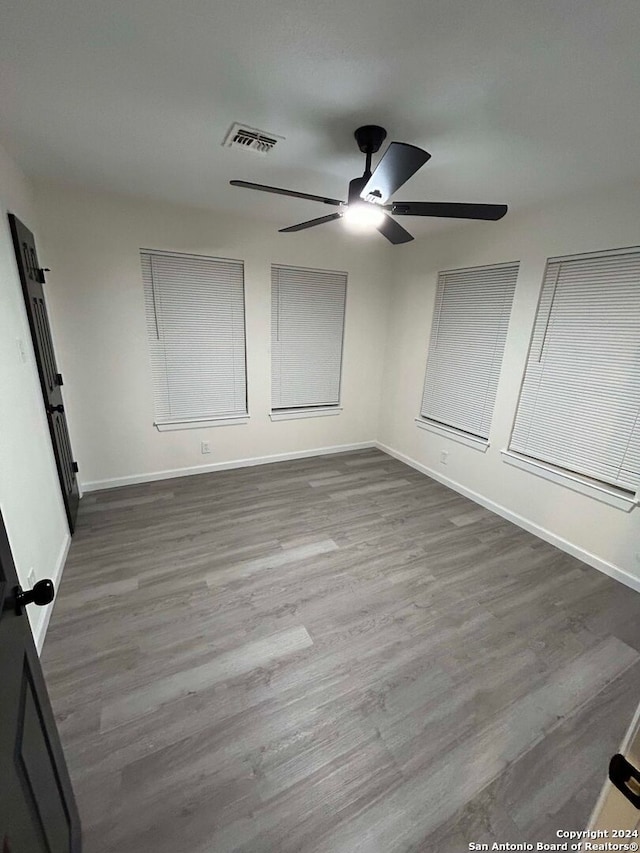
[(468, 334), (579, 406), (196, 332), (307, 325)]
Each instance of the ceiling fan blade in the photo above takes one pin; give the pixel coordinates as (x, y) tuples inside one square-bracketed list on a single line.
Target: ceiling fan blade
[(451, 209), (393, 231), (279, 191), (398, 163), (311, 222)]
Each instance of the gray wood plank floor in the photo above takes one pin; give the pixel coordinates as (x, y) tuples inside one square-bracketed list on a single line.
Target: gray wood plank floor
[(331, 654)]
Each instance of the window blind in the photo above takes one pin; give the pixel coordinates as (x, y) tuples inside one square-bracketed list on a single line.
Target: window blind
[(307, 325), (579, 406), (468, 334), (196, 332)]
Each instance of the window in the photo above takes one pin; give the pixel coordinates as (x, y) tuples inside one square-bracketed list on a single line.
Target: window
[(579, 407), (468, 334), (195, 327), (307, 324)]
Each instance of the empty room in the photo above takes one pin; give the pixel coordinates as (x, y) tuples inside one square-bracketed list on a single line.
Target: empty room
[(320, 426)]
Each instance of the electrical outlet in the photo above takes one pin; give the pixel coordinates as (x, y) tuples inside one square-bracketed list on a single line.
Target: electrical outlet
[(31, 577), (205, 447), (444, 457)]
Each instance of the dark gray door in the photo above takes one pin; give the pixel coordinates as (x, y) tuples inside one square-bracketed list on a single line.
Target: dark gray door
[(38, 812), (32, 279)]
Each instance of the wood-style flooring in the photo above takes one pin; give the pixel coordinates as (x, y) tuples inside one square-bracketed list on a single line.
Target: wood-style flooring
[(331, 654)]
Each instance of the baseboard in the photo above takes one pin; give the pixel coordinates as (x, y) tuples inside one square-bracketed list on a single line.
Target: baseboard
[(222, 466), (40, 630), (587, 557)]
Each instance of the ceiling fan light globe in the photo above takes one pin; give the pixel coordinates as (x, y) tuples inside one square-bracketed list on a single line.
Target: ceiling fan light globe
[(362, 216)]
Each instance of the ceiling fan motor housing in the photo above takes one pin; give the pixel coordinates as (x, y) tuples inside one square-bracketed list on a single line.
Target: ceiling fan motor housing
[(370, 138)]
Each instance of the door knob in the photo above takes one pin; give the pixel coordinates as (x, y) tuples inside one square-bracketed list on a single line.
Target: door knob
[(58, 408), (41, 594)]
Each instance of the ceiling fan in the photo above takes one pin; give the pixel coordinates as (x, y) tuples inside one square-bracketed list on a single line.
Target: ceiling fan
[(367, 205)]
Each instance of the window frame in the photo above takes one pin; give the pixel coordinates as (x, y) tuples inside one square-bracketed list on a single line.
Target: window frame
[(286, 413), (608, 493), (441, 428), (234, 419)]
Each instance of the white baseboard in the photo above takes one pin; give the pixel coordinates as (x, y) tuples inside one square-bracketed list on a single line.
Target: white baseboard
[(222, 466), (40, 630), (587, 557)]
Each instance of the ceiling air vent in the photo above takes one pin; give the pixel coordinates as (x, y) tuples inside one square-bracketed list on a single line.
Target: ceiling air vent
[(251, 139)]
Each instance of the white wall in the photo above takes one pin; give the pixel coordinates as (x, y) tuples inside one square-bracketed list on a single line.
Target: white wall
[(29, 489), (600, 534), (92, 242)]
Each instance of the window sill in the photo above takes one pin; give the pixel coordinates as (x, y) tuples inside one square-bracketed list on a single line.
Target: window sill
[(480, 444), (170, 426), (293, 414), (607, 494)]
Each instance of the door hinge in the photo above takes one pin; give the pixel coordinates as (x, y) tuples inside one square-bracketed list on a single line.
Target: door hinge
[(41, 272), (59, 379), (626, 778), (74, 465)]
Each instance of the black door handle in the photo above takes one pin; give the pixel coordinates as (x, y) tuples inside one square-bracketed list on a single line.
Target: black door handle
[(41, 594), (58, 408), (626, 778)]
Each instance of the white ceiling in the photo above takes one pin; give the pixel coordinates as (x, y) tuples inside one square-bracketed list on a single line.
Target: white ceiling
[(517, 100)]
